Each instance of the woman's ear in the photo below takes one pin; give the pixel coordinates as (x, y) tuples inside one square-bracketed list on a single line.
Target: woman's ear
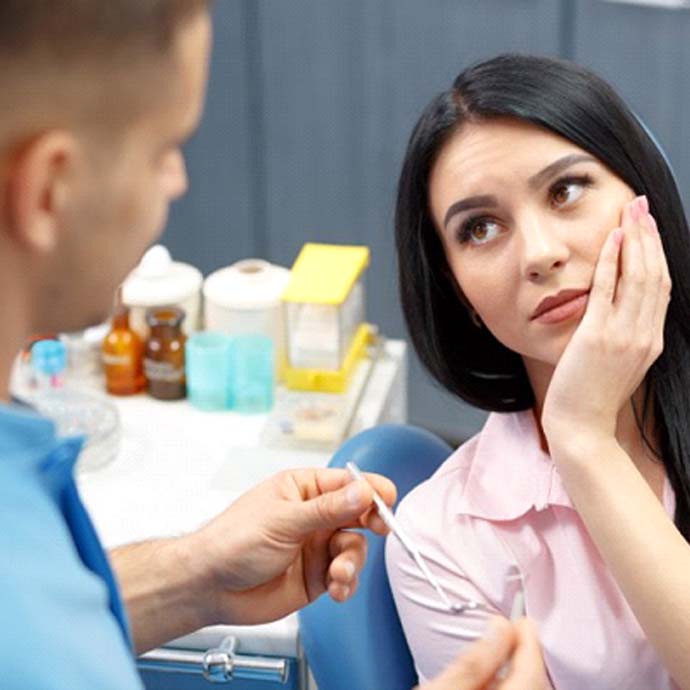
[(37, 187)]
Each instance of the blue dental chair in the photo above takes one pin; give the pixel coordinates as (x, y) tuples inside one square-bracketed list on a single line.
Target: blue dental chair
[(360, 645)]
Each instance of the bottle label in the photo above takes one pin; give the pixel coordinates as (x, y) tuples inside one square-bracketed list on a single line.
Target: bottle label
[(116, 360), (162, 371)]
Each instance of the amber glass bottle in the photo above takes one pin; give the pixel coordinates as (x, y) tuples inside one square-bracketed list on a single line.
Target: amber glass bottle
[(164, 356), (123, 354)]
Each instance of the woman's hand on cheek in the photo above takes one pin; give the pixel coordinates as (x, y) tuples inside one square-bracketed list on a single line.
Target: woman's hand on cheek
[(619, 337)]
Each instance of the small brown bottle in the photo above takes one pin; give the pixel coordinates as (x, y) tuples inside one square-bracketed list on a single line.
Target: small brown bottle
[(164, 357), (123, 355)]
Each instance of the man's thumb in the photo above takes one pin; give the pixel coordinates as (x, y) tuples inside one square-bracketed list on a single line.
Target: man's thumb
[(334, 509)]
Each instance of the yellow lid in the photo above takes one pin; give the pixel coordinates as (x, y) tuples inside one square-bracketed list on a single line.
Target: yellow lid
[(325, 273), (327, 381)]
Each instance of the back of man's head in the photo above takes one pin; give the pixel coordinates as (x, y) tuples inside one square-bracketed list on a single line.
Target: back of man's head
[(66, 31), (86, 58), (97, 98)]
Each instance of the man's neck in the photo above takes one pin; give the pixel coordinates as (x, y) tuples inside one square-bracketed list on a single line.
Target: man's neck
[(15, 328), (7, 355)]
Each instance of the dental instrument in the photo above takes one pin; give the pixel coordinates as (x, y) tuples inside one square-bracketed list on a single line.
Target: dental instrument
[(395, 527)]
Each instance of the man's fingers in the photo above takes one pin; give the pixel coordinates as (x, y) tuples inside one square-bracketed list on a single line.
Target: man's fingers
[(348, 551), (478, 665), (333, 478), (342, 593), (527, 665), (332, 510), (373, 521), (516, 645), (341, 503)]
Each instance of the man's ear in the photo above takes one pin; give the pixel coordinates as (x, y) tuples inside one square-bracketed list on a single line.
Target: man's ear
[(38, 182)]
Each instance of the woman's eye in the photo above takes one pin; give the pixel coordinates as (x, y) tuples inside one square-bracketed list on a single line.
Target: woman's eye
[(479, 231), (567, 192)]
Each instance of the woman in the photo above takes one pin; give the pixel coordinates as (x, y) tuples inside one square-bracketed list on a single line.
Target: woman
[(536, 285)]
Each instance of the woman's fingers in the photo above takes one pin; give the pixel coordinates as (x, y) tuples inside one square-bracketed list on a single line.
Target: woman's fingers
[(604, 282), (628, 303), (653, 255), (632, 284), (620, 335), (664, 293), (640, 308)]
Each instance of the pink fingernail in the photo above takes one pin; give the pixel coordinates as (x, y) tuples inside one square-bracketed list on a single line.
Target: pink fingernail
[(642, 204), (634, 210)]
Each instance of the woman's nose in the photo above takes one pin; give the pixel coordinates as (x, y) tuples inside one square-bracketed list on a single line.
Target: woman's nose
[(543, 249)]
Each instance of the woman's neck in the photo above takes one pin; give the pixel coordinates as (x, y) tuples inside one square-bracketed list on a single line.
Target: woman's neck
[(628, 433)]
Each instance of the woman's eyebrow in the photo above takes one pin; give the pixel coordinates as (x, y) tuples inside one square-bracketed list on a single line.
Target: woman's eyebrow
[(534, 182), (485, 201), (538, 179)]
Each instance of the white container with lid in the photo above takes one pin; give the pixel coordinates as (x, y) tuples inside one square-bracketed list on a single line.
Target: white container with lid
[(244, 298), (159, 281)]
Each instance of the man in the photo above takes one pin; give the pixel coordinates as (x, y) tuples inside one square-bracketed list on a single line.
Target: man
[(507, 652), (98, 97)]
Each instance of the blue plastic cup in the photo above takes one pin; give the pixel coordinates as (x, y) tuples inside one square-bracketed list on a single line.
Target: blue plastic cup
[(207, 364), (252, 373)]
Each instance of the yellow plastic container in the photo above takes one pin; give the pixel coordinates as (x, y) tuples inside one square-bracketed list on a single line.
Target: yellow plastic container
[(325, 317)]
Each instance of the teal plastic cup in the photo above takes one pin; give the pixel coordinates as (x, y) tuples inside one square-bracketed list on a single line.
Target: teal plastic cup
[(252, 373), (207, 364)]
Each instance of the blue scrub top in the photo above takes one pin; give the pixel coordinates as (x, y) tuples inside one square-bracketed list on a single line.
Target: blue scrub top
[(62, 622)]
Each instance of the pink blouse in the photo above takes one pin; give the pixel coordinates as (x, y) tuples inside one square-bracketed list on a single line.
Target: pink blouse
[(494, 519)]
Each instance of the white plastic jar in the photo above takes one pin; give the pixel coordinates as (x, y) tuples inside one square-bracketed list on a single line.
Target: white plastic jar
[(244, 299), (159, 281)]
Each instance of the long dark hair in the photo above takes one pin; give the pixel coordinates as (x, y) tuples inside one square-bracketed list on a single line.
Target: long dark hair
[(468, 361)]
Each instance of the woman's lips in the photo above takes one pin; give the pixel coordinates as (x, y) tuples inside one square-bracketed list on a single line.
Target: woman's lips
[(564, 311)]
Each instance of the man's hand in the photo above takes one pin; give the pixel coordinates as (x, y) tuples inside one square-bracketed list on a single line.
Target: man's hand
[(282, 544), (479, 668)]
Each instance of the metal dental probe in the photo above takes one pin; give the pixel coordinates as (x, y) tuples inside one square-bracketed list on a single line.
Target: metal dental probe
[(395, 527)]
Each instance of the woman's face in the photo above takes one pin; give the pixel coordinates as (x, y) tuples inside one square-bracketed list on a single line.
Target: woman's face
[(522, 214)]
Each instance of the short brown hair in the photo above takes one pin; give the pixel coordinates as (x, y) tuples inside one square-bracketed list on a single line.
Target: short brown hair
[(68, 30), (64, 62)]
